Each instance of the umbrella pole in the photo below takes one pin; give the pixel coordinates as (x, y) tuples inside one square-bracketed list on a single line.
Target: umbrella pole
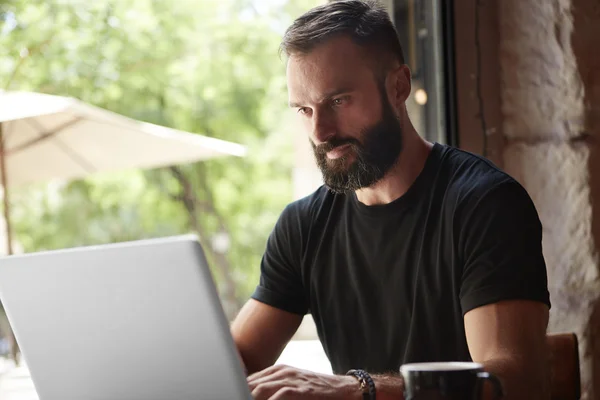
[(5, 193)]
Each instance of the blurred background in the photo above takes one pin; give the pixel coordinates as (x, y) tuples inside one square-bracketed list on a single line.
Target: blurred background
[(208, 67), (517, 81)]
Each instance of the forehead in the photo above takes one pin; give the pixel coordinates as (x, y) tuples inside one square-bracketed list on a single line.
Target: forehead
[(337, 63)]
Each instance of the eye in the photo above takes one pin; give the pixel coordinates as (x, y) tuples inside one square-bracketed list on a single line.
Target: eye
[(338, 101), (302, 110)]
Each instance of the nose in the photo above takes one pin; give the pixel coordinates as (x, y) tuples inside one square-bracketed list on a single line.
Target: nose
[(323, 127)]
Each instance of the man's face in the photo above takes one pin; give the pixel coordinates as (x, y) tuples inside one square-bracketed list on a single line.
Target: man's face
[(354, 132)]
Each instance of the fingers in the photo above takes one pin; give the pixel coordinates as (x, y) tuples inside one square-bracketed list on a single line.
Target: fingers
[(272, 381), (283, 376), (273, 375), (278, 382), (288, 393), (267, 372), (266, 390)]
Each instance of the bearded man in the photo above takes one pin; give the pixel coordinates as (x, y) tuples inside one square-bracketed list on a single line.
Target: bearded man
[(410, 252)]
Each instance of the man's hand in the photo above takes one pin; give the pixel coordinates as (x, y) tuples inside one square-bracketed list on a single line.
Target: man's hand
[(281, 382)]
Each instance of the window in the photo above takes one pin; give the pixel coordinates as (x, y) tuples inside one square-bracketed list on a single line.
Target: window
[(424, 29)]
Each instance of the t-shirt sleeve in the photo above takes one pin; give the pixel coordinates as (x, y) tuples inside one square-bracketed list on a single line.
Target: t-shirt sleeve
[(281, 283), (501, 247)]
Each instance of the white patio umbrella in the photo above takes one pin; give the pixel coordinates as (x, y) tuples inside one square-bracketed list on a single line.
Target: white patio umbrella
[(44, 137)]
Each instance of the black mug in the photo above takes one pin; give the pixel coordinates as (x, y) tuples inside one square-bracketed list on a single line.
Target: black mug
[(447, 381)]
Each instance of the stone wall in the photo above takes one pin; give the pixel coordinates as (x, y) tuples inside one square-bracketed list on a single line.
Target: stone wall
[(550, 103), (539, 64)]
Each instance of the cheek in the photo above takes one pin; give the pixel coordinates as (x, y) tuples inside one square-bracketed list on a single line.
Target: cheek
[(351, 121)]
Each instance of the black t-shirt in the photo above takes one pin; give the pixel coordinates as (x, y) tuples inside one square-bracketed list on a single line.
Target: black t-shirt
[(390, 284)]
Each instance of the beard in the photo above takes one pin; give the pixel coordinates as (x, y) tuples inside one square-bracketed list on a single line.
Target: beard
[(375, 153)]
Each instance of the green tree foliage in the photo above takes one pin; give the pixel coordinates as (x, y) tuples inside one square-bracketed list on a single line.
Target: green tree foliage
[(207, 66)]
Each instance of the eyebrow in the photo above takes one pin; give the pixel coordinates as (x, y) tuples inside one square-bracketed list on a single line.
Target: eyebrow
[(327, 96)]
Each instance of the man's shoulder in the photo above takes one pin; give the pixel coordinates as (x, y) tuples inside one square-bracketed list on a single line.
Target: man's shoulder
[(307, 207), (471, 177), (474, 180)]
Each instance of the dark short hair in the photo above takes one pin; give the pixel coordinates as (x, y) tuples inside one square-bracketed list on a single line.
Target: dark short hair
[(366, 22)]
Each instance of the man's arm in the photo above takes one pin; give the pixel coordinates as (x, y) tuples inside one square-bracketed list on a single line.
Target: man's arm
[(504, 291), (509, 339), (261, 332)]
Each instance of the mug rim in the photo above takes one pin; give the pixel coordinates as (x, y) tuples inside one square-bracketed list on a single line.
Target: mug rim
[(441, 366)]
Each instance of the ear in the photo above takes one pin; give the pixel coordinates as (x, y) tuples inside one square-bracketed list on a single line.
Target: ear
[(399, 86)]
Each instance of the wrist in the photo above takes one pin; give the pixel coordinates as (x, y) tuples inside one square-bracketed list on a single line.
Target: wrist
[(389, 387), (366, 383), (352, 389)]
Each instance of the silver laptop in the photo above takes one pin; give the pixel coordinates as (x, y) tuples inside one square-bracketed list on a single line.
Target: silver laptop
[(129, 321)]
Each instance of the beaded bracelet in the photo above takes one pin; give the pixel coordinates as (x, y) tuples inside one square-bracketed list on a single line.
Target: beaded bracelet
[(367, 384)]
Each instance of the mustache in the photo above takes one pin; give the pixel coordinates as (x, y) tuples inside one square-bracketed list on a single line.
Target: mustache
[(326, 147)]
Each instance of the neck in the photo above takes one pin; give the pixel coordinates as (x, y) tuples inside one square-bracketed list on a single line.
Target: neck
[(402, 175)]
